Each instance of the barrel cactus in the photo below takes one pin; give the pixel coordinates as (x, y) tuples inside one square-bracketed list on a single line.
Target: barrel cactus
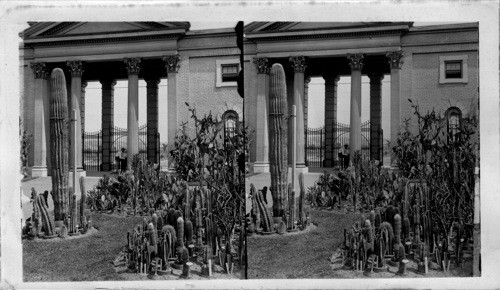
[(59, 143), (278, 129)]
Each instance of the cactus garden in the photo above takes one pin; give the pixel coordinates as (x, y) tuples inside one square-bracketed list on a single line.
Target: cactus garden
[(145, 223), (412, 220)]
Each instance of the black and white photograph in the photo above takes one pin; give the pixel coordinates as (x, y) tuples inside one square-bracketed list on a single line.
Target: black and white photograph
[(132, 132), (249, 144), (365, 149)]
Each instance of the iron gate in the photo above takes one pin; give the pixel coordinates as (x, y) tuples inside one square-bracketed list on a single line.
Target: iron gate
[(315, 146), (92, 147), (315, 143), (91, 155)]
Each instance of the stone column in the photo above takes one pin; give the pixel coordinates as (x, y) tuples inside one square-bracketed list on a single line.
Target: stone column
[(261, 130), (41, 126), (356, 63), (307, 80), (76, 69), (395, 62), (133, 66), (331, 153), (172, 67), (299, 66), (82, 116), (107, 123), (375, 115), (152, 119), (82, 106)]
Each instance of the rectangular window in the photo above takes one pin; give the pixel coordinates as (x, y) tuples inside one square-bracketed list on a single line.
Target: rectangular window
[(229, 73), (453, 69)]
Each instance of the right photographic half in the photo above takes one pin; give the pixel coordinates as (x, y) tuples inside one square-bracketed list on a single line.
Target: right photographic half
[(363, 159)]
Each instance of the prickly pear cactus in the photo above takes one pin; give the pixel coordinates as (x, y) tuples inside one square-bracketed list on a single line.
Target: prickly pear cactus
[(59, 143), (278, 130)]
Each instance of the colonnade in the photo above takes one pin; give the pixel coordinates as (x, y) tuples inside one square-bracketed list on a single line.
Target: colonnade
[(76, 101), (299, 65)]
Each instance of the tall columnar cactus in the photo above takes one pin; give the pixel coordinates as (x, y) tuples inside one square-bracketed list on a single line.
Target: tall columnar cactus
[(187, 204), (397, 229), (278, 129), (255, 207), (188, 229), (43, 213), (302, 194), (153, 237), (74, 215), (180, 232), (83, 204), (406, 228), (291, 207), (209, 235), (267, 224), (59, 143)]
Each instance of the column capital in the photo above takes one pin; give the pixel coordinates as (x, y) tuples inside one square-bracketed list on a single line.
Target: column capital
[(172, 63), (108, 82), (75, 67), (376, 76), (40, 70), (262, 64), (331, 78), (133, 65), (298, 63), (356, 61), (395, 59)]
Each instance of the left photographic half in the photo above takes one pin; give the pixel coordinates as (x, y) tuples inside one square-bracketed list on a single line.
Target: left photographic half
[(133, 149)]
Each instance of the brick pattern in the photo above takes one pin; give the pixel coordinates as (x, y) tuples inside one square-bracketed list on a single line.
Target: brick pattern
[(330, 119), (107, 123), (152, 119)]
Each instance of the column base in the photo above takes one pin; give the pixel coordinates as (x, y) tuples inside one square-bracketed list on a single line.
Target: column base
[(39, 171), (302, 169), (261, 167)]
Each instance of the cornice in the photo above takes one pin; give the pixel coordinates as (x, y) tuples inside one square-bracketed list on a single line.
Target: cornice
[(96, 39), (331, 33)]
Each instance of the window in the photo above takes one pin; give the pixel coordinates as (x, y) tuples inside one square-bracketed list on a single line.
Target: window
[(227, 72), (453, 116), (453, 69), (230, 119)]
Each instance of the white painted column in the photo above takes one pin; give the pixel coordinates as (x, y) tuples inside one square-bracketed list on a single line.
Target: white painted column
[(76, 70), (261, 129), (41, 130), (395, 62), (299, 67), (133, 68), (172, 67), (356, 63)]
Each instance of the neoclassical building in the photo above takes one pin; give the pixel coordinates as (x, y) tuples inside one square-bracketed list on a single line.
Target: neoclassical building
[(436, 66), (200, 67)]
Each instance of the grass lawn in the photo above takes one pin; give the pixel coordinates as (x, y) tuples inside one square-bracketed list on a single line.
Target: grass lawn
[(301, 255), (84, 259)]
